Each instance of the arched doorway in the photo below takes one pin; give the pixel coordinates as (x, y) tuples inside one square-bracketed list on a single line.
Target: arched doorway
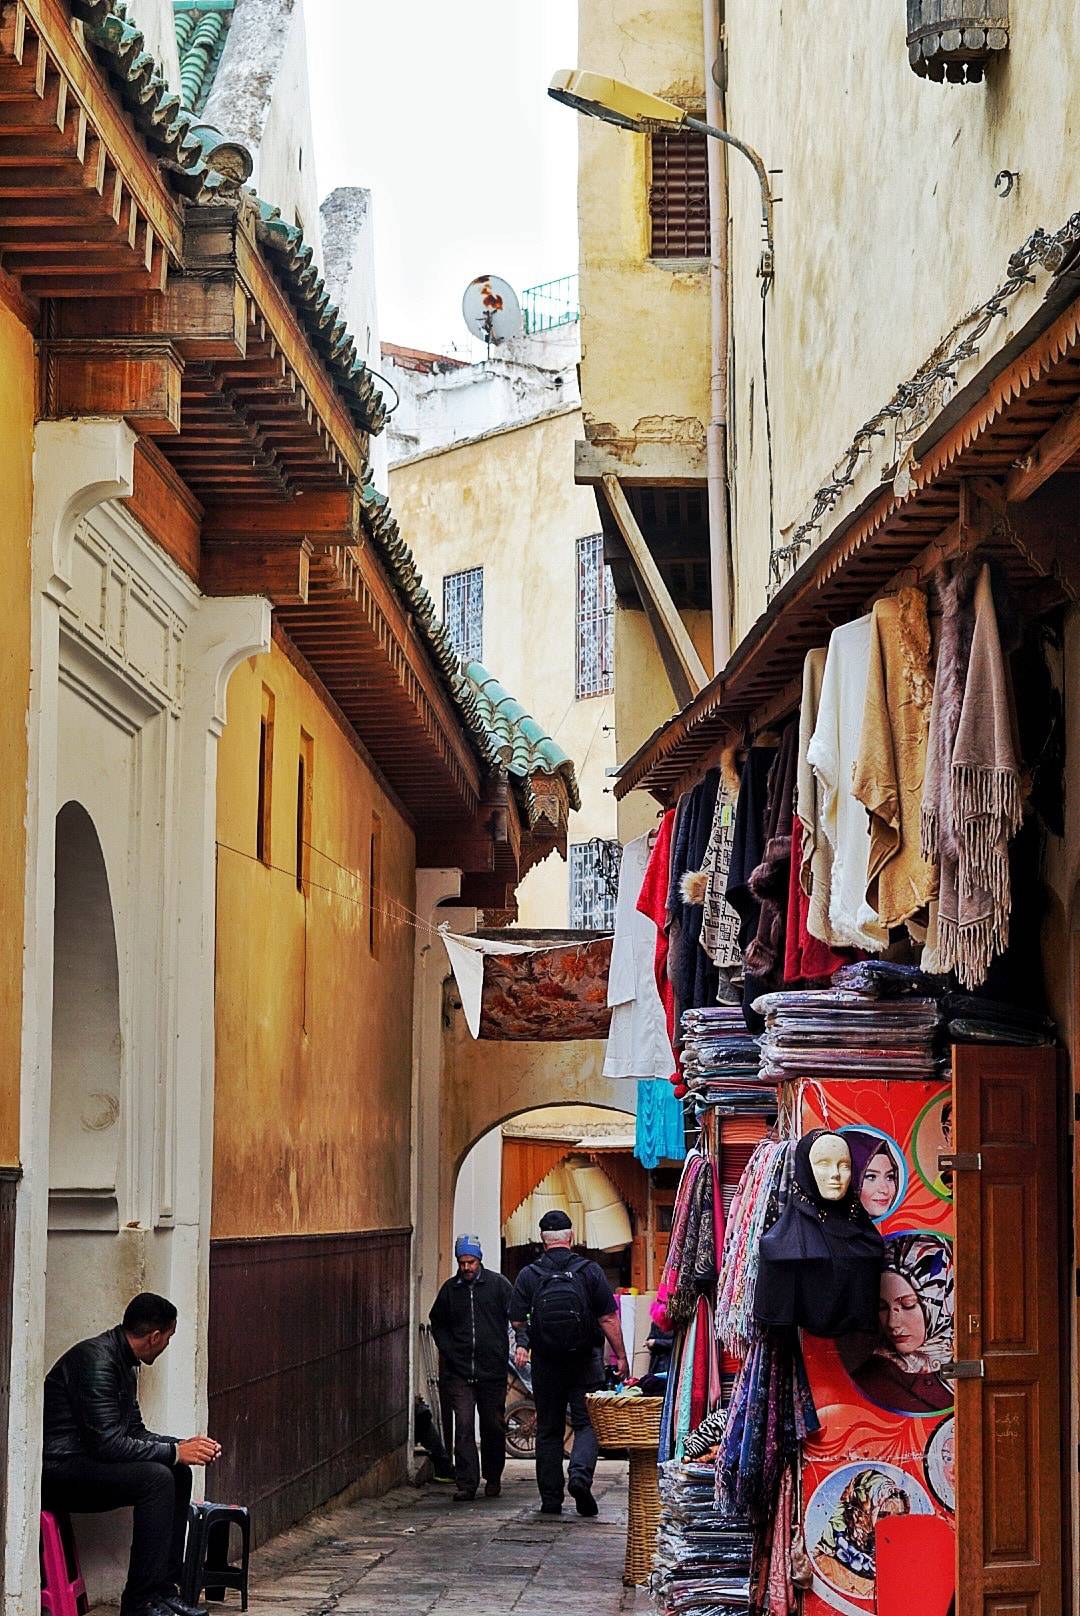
[(581, 1154), (85, 1101)]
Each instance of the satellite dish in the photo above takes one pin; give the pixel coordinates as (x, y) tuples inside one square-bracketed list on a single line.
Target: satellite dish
[(491, 309)]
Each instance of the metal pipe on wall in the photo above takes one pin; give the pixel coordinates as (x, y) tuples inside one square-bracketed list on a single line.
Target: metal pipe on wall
[(720, 558)]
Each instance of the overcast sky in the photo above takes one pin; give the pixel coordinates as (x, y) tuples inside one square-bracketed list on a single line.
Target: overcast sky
[(439, 107)]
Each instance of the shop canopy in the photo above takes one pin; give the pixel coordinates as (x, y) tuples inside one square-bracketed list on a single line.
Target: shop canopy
[(998, 468)]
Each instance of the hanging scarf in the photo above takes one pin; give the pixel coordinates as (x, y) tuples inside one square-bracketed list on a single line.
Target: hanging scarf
[(769, 881), (696, 1273), (925, 1262), (891, 763), (737, 1280), (820, 1265), (972, 803)]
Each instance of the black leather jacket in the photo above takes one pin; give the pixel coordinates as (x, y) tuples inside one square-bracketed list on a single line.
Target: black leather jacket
[(92, 1406), (470, 1324)]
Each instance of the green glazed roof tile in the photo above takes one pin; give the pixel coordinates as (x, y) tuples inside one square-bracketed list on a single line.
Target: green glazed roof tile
[(200, 39), (524, 747)]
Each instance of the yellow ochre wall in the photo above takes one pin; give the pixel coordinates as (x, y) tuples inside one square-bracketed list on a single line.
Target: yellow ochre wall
[(644, 325), (889, 231), (644, 699), (312, 1094), (16, 453), (508, 502)]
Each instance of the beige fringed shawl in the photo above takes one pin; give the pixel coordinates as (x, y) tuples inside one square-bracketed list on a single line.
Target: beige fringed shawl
[(972, 803), (815, 868), (891, 763)]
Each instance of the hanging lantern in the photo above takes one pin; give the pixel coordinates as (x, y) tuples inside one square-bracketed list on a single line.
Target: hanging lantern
[(954, 39)]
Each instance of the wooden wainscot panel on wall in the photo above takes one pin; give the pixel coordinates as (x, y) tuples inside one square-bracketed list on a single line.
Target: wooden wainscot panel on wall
[(308, 1368)]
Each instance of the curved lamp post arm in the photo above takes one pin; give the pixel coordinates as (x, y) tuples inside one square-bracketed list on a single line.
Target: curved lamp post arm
[(766, 268)]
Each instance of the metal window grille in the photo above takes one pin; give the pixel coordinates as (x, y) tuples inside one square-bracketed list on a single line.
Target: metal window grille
[(679, 195), (463, 612), (592, 894), (595, 619)]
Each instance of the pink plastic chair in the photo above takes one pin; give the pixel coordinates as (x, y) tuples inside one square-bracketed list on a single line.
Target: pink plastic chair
[(63, 1592)]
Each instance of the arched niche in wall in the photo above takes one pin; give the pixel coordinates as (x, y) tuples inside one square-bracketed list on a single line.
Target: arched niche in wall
[(84, 1122)]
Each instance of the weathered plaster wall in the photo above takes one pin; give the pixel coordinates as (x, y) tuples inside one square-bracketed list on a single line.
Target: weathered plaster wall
[(644, 700), (645, 325), (347, 227), (16, 447), (155, 18), (872, 270), (262, 96), (311, 1131), (509, 503)]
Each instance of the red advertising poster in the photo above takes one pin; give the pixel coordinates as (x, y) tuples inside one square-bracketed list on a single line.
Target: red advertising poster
[(885, 1450)]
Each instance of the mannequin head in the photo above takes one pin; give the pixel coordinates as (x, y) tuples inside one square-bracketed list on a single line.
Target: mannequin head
[(830, 1163)]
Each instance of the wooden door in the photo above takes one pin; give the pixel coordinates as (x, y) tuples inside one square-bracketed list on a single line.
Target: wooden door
[(1008, 1418)]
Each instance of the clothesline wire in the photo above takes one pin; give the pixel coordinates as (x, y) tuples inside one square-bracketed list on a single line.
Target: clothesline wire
[(401, 913)]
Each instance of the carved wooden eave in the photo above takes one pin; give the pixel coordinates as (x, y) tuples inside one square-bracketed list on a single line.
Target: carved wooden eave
[(82, 204), (161, 294)]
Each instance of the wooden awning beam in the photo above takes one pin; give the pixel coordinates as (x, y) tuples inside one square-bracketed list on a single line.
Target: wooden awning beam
[(142, 383), (683, 666), (280, 572), (325, 517)]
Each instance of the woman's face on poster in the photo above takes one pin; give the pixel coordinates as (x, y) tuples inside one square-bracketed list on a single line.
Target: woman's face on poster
[(880, 1184), (903, 1325)]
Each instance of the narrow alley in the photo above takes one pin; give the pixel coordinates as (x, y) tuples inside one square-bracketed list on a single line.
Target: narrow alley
[(414, 1551)]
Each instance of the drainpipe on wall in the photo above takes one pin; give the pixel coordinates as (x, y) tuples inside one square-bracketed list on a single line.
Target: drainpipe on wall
[(720, 559)]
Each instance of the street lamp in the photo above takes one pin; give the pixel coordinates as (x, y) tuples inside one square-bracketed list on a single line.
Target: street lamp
[(597, 96)]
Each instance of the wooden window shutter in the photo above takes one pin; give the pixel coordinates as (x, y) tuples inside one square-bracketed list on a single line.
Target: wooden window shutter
[(679, 195), (1007, 1331)]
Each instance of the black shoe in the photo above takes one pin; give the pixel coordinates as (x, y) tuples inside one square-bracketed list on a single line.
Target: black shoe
[(581, 1493), (492, 1489), (180, 1607), (464, 1496), (551, 1509)]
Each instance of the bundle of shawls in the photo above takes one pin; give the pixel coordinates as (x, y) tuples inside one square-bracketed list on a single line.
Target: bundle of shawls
[(972, 798), (737, 1280), (972, 1019), (884, 979), (771, 1414), (693, 1167)]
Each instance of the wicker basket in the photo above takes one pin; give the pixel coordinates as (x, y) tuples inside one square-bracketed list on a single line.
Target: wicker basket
[(626, 1423), (643, 1518)]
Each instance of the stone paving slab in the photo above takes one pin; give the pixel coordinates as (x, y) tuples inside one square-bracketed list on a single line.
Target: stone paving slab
[(417, 1553)]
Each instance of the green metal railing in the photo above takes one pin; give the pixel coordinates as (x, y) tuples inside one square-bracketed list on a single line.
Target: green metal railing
[(551, 304)]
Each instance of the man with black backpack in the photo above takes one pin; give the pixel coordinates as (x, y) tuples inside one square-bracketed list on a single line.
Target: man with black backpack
[(562, 1310)]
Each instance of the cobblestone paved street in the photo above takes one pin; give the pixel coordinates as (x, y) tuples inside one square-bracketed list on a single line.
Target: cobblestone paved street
[(415, 1552)]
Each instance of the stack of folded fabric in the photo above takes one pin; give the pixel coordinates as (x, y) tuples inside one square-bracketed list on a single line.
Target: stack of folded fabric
[(704, 1560), (721, 1060), (971, 1019), (834, 1033)]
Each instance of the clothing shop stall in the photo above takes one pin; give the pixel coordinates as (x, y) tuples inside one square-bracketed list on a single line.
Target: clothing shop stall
[(865, 1278)]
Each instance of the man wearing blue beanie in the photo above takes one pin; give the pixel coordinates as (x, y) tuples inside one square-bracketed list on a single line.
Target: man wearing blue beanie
[(470, 1321)]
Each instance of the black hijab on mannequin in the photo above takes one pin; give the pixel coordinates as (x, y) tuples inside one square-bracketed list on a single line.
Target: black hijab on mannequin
[(819, 1266)]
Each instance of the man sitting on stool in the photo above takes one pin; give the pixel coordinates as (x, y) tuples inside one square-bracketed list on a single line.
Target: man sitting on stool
[(98, 1454)]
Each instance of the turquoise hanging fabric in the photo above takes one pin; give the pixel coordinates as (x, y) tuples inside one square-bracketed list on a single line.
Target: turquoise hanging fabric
[(659, 1134)]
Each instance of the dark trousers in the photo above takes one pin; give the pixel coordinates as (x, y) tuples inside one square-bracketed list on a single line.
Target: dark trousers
[(159, 1495), (558, 1384), (467, 1398)]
